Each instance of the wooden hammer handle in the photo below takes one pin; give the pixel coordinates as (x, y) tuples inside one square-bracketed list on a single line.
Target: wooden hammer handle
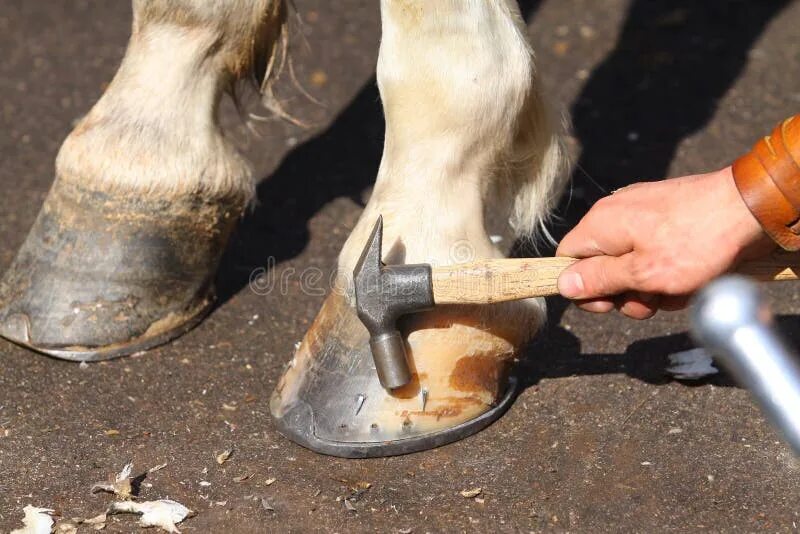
[(501, 280)]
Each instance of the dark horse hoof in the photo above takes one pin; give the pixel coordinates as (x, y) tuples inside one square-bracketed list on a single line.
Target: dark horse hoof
[(103, 275)]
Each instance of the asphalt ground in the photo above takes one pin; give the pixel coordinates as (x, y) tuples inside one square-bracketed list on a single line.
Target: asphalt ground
[(602, 439)]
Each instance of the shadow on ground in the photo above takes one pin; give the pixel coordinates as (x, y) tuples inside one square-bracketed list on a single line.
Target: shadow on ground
[(558, 355), (339, 162), (672, 63), (674, 60)]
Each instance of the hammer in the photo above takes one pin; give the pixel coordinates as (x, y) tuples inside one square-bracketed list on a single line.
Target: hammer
[(384, 293)]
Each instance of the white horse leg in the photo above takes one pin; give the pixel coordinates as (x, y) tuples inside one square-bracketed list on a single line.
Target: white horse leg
[(147, 188), (471, 161)]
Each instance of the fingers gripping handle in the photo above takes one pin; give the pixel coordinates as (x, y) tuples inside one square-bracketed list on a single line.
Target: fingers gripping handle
[(502, 280)]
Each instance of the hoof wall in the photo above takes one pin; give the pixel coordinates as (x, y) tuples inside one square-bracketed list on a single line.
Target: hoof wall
[(101, 276), (331, 401), (108, 352)]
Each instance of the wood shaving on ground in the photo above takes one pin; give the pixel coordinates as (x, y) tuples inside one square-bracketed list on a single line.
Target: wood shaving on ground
[(164, 513), (121, 486), (36, 521), (270, 481), (471, 493), (224, 456), (266, 505), (65, 527), (691, 365), (97, 522), (357, 490), (159, 467)]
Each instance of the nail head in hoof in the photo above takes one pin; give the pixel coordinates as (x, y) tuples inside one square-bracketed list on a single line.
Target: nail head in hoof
[(306, 427)]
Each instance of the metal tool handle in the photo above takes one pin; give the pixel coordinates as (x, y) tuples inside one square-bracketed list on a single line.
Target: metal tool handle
[(731, 319)]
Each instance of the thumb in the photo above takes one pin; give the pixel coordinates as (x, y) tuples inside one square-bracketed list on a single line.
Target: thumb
[(595, 277)]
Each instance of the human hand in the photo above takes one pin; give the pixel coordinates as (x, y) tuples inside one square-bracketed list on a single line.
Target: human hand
[(649, 246)]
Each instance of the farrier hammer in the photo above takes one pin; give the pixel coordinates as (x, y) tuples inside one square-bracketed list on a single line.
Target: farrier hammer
[(384, 293)]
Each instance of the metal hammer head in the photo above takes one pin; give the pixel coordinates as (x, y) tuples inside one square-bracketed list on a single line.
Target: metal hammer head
[(383, 294)]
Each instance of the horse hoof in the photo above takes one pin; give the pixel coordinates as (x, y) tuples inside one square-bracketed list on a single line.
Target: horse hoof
[(330, 400), (103, 275)]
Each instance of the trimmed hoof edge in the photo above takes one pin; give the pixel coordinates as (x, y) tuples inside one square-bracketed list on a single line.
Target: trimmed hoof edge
[(109, 352)]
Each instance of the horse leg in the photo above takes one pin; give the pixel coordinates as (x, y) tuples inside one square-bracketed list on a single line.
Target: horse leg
[(147, 188), (471, 162)]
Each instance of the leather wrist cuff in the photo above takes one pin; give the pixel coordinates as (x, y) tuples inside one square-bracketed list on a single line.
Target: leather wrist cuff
[(768, 178)]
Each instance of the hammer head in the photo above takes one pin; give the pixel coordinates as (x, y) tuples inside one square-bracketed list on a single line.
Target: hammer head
[(383, 294)]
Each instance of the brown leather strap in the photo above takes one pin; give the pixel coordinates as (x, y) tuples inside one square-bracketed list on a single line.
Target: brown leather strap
[(768, 179), (773, 153)]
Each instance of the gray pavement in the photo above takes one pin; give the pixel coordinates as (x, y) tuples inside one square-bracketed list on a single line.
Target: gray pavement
[(601, 439)]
